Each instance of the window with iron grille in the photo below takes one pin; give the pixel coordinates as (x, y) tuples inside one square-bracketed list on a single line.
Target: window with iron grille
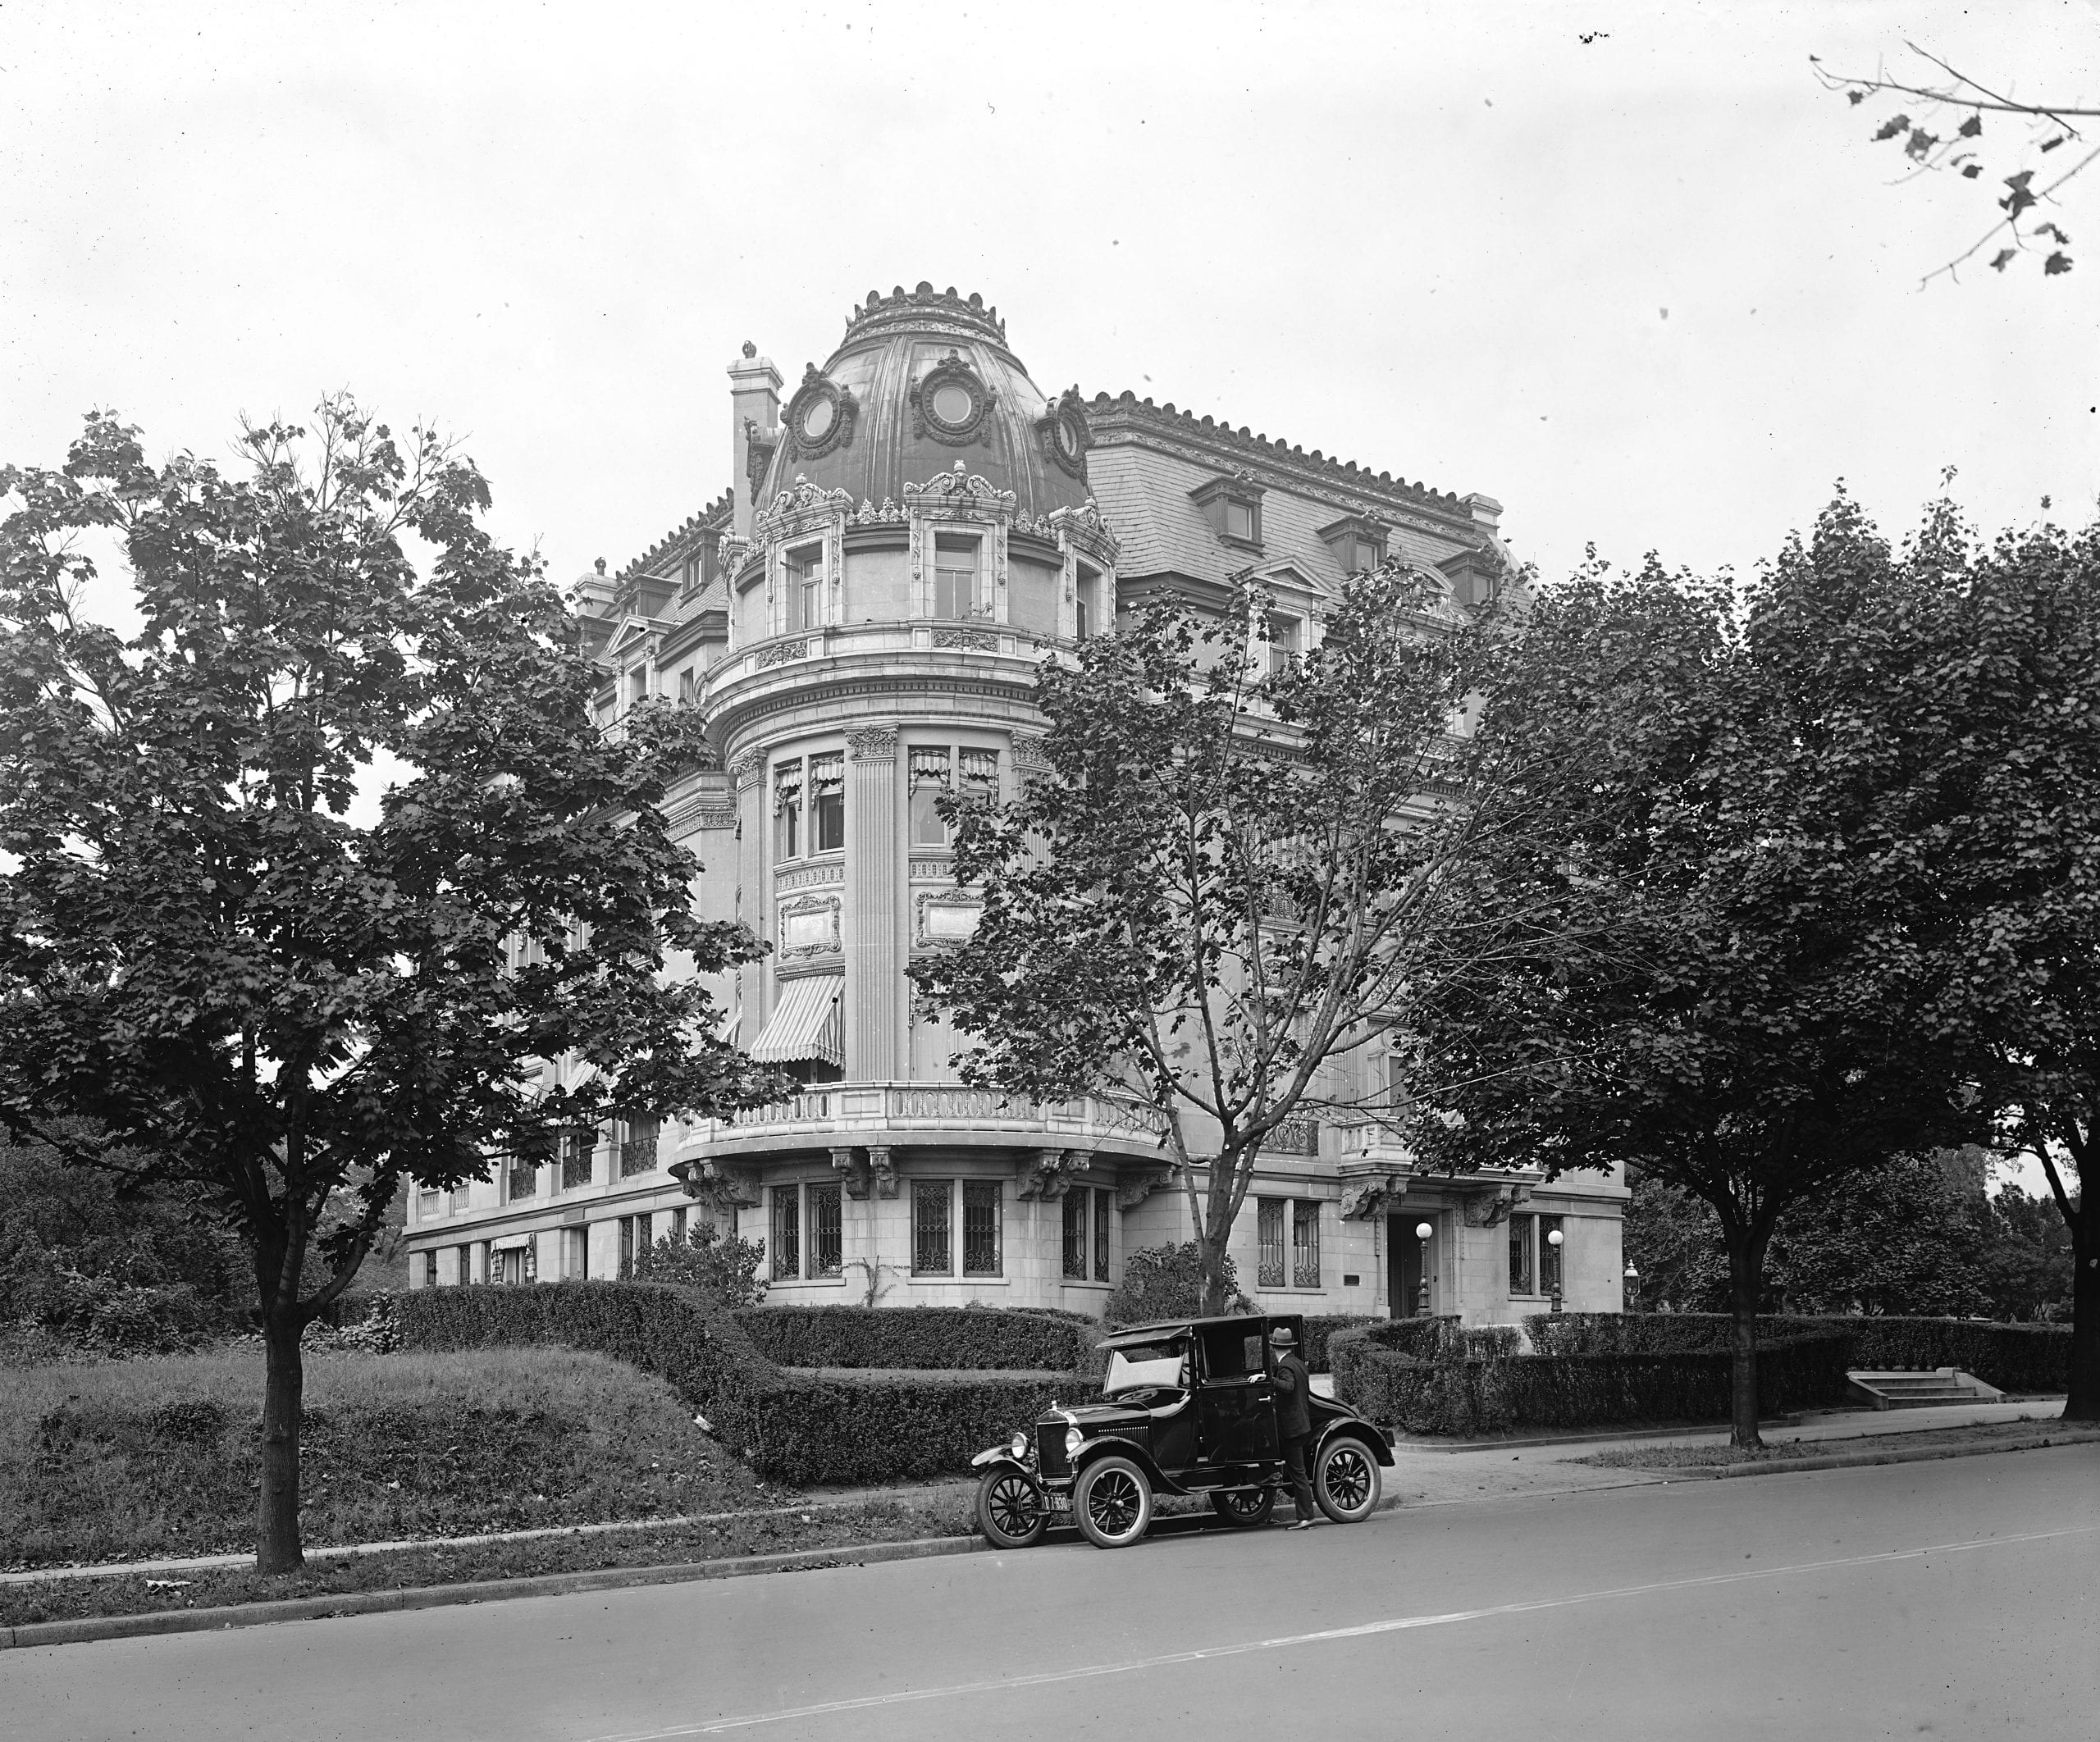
[(828, 802), (1268, 1222), (677, 1228), (463, 1265), (1521, 1230), (932, 1243), (638, 1146), (521, 1177), (576, 1148), (1305, 1244), (487, 1268), (1075, 1241), (826, 1231), (980, 1228), (430, 1268), (627, 1248), (787, 1232), (1101, 1201)]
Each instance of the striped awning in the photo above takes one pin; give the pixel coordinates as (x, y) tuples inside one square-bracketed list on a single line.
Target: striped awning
[(726, 1028), (805, 1023)]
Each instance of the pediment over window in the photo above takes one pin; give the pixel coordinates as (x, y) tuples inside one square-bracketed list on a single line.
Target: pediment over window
[(1357, 541)]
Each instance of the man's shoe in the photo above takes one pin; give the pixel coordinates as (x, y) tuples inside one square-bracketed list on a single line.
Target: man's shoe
[(1303, 1524)]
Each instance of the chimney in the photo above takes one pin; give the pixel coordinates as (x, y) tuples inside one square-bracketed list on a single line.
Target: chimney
[(754, 411)]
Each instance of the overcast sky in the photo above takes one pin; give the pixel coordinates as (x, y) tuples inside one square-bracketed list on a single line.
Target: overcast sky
[(1625, 268), (1650, 289)]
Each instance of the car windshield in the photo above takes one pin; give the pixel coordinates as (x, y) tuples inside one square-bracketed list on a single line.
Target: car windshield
[(1146, 1367)]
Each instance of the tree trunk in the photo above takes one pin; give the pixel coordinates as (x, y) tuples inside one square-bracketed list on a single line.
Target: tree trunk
[(2083, 1401), (1745, 1282), (1212, 1247), (277, 1546)]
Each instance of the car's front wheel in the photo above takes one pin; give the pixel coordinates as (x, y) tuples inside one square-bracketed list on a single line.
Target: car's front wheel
[(1246, 1506), (1345, 1480), (1009, 1510), (1113, 1503)]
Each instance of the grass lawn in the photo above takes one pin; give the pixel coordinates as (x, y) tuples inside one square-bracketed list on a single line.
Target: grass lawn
[(130, 1460), (1982, 1437)]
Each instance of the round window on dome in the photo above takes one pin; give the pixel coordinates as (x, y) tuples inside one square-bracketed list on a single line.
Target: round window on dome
[(818, 417), (954, 403)]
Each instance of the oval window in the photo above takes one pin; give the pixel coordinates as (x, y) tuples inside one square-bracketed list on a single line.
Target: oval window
[(953, 403), (818, 417)]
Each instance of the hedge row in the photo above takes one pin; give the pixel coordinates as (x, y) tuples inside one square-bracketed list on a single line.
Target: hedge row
[(934, 1337), (2013, 1357), (1450, 1393), (789, 1426)]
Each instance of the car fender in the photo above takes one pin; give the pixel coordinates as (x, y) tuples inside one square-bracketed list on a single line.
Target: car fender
[(999, 1457), (1112, 1445), (1380, 1447)]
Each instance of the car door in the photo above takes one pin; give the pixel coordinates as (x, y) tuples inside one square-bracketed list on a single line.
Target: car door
[(1236, 1402)]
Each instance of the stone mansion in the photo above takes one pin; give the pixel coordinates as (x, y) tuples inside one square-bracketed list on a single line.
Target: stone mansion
[(906, 535)]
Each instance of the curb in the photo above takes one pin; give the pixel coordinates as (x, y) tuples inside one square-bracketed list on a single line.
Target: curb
[(1862, 1459), (95, 1627)]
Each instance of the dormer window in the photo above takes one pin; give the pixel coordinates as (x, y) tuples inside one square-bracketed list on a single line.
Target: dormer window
[(1232, 506), (1359, 544), (805, 588), (955, 576)]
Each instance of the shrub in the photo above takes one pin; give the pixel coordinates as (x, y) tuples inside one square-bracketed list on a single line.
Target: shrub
[(726, 1265), (800, 1429), (1166, 1282), (1321, 1327), (927, 1337), (2014, 1357), (1446, 1389)]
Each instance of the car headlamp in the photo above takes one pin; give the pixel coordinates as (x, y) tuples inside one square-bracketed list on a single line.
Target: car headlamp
[(1020, 1446), (1073, 1440)]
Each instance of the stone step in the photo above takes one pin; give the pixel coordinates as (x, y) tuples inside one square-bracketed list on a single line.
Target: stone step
[(1915, 1390)]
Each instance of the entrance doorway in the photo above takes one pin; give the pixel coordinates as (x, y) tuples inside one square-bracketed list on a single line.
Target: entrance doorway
[(1402, 1266)]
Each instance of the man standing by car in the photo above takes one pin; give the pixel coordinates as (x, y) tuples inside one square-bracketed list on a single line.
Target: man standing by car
[(1294, 1385)]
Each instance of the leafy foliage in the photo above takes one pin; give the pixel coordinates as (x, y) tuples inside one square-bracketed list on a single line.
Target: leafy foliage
[(2027, 131), (206, 953), (938, 1337), (1168, 1282), (726, 1265), (1747, 794), (1239, 865)]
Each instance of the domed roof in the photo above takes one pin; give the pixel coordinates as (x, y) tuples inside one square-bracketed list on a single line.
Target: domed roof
[(923, 379)]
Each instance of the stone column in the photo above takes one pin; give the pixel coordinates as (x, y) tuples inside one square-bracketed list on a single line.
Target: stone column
[(874, 972), (752, 906)]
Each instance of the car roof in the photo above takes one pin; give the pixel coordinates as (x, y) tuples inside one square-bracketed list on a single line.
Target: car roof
[(1138, 1334)]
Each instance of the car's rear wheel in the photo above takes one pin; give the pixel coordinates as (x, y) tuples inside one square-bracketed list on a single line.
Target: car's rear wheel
[(1113, 1503), (1009, 1510), (1345, 1480), (1246, 1506)]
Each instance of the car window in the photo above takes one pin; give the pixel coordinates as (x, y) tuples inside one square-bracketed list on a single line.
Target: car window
[(1146, 1366), (1229, 1352)]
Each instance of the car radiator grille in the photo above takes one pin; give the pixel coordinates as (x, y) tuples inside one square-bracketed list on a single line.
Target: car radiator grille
[(1050, 1450)]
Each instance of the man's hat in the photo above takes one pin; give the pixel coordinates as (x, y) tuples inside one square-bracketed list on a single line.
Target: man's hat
[(1282, 1337)]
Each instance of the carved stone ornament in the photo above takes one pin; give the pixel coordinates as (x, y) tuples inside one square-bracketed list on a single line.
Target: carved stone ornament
[(873, 744), (853, 1171), (1133, 1187), (801, 501), (731, 552), (1028, 753), (758, 454), (724, 1184), (978, 641), (881, 1165), (1047, 1174), (1491, 1209), (781, 652), (1086, 532), (1063, 433), (819, 418), (950, 402), (1371, 1190), (716, 816), (746, 768), (958, 489), (809, 926), (946, 918)]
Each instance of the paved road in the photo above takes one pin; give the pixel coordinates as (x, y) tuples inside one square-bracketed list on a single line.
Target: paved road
[(1955, 1598)]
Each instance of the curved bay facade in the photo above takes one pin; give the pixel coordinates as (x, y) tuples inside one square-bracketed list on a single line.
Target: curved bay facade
[(911, 530)]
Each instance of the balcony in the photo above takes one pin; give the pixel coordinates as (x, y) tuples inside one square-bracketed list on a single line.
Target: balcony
[(885, 1113)]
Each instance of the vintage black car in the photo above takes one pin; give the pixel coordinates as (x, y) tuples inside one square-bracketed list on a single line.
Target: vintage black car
[(1188, 1407)]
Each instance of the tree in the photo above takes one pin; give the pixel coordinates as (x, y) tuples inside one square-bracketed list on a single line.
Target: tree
[(251, 991), (1239, 867), (2017, 857), (2027, 1263), (1947, 136), (1740, 786)]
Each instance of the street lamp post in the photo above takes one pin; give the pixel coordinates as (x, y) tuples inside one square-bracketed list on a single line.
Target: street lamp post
[(1631, 1279), (1422, 1231), (1554, 1239)]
